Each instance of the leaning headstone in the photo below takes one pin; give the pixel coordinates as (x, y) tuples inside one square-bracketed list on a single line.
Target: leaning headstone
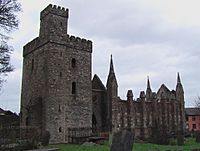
[(180, 139), (122, 141)]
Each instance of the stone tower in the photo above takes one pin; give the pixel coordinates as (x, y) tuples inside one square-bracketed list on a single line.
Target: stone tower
[(112, 94), (180, 99), (56, 84)]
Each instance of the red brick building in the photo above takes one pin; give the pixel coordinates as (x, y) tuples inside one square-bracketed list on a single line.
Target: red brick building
[(192, 119)]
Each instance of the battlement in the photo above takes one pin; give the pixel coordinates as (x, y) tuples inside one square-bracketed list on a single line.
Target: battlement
[(70, 41), (54, 9), (79, 42)]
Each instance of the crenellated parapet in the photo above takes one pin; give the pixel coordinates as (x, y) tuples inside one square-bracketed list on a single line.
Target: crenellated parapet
[(69, 41), (54, 9), (79, 43)]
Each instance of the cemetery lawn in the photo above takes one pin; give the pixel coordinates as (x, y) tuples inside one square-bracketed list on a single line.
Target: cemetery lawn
[(189, 144)]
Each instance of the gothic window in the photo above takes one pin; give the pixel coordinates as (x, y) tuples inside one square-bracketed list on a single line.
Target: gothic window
[(94, 122), (94, 99), (60, 129), (73, 87), (73, 63)]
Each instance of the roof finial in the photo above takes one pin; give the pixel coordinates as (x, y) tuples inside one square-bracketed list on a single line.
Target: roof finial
[(148, 83), (178, 79), (111, 64)]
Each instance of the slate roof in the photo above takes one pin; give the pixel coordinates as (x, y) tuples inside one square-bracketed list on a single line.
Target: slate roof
[(97, 83), (2, 112), (192, 111)]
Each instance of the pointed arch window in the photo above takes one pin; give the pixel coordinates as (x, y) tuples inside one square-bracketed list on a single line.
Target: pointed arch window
[(73, 87)]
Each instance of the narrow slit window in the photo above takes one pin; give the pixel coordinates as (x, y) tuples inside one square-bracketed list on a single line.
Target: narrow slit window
[(60, 129), (60, 74), (27, 121), (73, 87), (73, 63), (32, 64), (59, 108)]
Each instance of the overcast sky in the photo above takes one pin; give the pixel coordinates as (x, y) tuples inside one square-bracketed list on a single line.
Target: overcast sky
[(155, 38)]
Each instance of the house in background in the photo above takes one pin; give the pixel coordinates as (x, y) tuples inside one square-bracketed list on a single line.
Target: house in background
[(192, 119)]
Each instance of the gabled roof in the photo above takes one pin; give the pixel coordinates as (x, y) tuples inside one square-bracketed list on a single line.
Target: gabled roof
[(164, 92), (97, 83), (1, 110), (164, 87), (192, 111)]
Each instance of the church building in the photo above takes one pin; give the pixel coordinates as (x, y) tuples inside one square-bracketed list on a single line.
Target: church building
[(58, 92)]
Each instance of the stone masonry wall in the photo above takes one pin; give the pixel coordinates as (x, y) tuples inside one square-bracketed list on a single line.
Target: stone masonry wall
[(57, 73)]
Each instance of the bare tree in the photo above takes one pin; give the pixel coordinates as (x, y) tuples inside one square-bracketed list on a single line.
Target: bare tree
[(8, 22)]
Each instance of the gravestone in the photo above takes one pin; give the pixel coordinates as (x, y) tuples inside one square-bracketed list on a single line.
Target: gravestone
[(196, 149), (180, 138), (197, 136), (122, 141)]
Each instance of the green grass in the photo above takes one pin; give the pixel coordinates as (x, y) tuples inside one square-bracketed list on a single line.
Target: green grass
[(64, 147), (189, 144)]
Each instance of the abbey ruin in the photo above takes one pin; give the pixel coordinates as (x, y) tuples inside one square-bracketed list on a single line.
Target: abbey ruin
[(58, 91)]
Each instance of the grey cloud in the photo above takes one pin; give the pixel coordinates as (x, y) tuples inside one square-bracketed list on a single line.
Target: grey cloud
[(141, 41)]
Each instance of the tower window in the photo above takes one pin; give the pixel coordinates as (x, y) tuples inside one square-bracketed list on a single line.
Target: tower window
[(27, 121), (73, 87), (59, 129), (73, 63), (59, 108), (32, 64), (61, 54), (60, 74)]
